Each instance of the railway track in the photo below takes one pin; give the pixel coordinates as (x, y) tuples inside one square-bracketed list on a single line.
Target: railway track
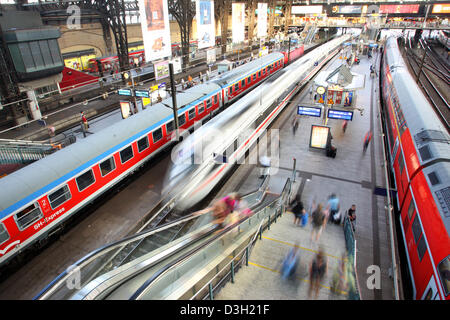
[(434, 79)]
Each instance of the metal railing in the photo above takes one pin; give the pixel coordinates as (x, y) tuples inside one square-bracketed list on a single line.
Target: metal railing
[(204, 269)]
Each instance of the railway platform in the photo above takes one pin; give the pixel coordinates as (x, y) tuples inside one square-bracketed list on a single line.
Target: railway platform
[(355, 178)]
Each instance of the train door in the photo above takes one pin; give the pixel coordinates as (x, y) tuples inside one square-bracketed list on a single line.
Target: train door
[(431, 291)]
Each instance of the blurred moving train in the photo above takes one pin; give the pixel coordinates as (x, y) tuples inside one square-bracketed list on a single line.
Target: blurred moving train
[(444, 38), (419, 153), (203, 159), (36, 200)]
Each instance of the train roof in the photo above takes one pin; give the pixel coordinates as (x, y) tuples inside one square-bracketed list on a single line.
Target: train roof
[(247, 69), (193, 95), (430, 136), (48, 173)]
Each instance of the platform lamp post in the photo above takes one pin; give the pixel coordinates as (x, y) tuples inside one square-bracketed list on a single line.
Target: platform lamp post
[(174, 101)]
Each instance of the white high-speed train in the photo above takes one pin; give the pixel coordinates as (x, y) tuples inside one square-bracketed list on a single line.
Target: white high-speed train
[(204, 157)]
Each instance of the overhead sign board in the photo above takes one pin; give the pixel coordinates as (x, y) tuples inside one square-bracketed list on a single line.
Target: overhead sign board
[(141, 93), (125, 92), (309, 111), (340, 114), (319, 136), (306, 9)]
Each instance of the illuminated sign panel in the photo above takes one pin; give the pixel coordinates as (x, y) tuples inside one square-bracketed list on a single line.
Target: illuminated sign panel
[(125, 108), (340, 115), (306, 9), (441, 8), (125, 92), (404, 8), (319, 136), (309, 111), (141, 93)]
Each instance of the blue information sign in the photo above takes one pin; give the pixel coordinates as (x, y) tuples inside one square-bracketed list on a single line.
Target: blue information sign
[(125, 92), (309, 111), (340, 114), (141, 93)]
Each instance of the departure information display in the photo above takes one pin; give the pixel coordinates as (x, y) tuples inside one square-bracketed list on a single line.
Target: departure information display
[(340, 114), (309, 111)]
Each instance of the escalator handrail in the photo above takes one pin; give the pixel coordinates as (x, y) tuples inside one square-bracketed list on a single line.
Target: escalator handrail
[(102, 284), (54, 284), (106, 248), (191, 252)]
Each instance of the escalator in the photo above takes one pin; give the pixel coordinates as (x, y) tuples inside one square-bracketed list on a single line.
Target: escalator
[(118, 270)]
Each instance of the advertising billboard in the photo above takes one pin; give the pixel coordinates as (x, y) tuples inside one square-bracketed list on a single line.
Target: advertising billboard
[(262, 20), (161, 69), (155, 29), (238, 22), (205, 24), (319, 136)]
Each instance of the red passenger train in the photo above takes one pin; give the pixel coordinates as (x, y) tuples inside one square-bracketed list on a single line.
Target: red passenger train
[(419, 154), (36, 200)]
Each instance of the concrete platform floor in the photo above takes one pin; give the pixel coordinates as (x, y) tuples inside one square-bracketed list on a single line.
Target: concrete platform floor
[(353, 177)]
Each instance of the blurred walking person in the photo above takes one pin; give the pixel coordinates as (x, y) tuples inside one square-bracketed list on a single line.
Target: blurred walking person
[(351, 213), (367, 139), (317, 271), (297, 209), (319, 220), (294, 125), (290, 263)]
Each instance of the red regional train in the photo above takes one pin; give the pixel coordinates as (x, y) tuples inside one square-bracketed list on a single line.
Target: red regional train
[(419, 154), (36, 200), (111, 62)]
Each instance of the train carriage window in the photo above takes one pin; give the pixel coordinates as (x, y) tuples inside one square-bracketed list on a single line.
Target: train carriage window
[(28, 216), (417, 230), (444, 274), (181, 120), (214, 98), (236, 86), (200, 108), (142, 144), (192, 114), (218, 97), (401, 163), (249, 80), (4, 236), (85, 180), (208, 103), (421, 248), (230, 89), (60, 196), (169, 126), (157, 134), (411, 210), (254, 77), (259, 74), (126, 154), (107, 166), (243, 83)]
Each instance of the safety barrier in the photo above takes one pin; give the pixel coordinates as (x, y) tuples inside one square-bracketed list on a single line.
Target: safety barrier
[(350, 244), (22, 155)]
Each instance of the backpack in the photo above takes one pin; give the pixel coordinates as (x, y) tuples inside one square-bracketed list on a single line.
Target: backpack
[(317, 217)]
